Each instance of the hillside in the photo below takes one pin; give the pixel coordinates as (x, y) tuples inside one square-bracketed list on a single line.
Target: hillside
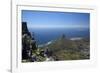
[(61, 48), (65, 49)]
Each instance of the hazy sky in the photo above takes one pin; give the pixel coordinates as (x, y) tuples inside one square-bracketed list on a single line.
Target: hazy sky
[(45, 19)]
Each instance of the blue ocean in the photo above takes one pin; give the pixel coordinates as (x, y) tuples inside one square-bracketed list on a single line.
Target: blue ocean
[(43, 36)]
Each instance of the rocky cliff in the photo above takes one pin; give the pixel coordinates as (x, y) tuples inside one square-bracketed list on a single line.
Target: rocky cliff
[(28, 43)]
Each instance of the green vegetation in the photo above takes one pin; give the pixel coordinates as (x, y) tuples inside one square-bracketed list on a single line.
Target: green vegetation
[(66, 49), (59, 49)]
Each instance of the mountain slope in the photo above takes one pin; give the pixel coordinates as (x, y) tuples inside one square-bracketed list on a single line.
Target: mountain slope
[(66, 49)]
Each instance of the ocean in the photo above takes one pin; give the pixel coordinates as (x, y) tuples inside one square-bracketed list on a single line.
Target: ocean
[(43, 36)]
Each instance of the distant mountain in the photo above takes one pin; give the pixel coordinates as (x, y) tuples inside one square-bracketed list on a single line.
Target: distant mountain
[(67, 49), (60, 43)]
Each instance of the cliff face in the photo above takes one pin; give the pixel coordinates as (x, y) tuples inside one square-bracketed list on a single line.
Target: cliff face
[(28, 43), (25, 29)]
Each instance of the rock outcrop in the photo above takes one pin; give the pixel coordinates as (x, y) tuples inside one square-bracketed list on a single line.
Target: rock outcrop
[(28, 43)]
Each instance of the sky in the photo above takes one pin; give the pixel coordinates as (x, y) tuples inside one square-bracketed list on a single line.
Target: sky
[(48, 25), (48, 20)]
